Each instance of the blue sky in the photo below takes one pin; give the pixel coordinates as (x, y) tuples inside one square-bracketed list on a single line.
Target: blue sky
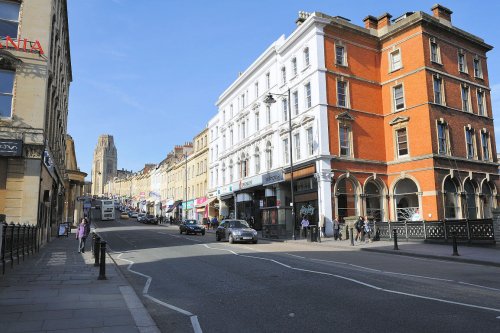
[(149, 72)]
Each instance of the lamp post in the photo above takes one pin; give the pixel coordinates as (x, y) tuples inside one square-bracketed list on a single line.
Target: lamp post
[(269, 99)]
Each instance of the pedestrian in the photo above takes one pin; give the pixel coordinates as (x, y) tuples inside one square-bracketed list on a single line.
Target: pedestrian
[(336, 229), (321, 225), (214, 222), (367, 230), (81, 235), (359, 229), (304, 224)]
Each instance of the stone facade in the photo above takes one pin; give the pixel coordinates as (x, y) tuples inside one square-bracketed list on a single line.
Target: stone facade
[(104, 165), (37, 74)]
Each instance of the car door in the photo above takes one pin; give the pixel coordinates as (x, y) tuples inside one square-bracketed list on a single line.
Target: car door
[(221, 230)]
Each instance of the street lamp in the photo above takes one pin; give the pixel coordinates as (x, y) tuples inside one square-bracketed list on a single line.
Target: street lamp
[(269, 99)]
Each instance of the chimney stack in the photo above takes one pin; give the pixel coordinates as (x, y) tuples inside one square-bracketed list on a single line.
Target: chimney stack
[(441, 12), (384, 20), (371, 22)]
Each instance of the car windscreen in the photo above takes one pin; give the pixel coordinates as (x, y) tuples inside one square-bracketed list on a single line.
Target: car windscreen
[(238, 224), (191, 222)]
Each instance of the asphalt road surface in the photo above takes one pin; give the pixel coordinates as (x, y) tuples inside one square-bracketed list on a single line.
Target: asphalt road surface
[(195, 284)]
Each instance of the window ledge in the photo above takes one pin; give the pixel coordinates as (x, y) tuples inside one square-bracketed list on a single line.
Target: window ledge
[(395, 70), (306, 68), (341, 65), (437, 63)]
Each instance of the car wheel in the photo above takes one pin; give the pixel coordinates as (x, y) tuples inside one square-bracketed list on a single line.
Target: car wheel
[(217, 237), (231, 239), (254, 242)]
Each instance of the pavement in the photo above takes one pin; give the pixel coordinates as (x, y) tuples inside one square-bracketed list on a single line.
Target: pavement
[(58, 290)]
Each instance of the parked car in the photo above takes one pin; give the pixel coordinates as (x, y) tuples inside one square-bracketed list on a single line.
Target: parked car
[(150, 219), (133, 214), (124, 216), (191, 227), (141, 217), (235, 231)]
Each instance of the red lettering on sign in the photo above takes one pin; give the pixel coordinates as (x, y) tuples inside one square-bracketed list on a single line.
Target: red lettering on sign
[(37, 47), (9, 40)]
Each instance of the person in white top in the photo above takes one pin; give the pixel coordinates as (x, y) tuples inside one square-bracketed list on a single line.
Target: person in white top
[(305, 225)]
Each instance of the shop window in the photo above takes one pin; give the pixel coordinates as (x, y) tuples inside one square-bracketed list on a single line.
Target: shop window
[(406, 200), (486, 200), (374, 201), (346, 199)]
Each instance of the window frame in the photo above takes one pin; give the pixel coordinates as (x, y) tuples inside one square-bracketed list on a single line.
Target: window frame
[(307, 95), (306, 57), (462, 54), (470, 147), (398, 143), (283, 75), (347, 146), (296, 141), (10, 95), (392, 67), (466, 102), (284, 108), (434, 45), (346, 93), (444, 140), (286, 152), (442, 99), (478, 70), (485, 139), (268, 80), (394, 99), (481, 110), (295, 96), (343, 58), (10, 21), (294, 67), (310, 140)]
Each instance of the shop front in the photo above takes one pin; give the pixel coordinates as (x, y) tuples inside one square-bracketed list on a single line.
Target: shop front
[(201, 206), (187, 207), (275, 215)]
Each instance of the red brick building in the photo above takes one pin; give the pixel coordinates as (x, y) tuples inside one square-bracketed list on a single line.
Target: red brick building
[(410, 119)]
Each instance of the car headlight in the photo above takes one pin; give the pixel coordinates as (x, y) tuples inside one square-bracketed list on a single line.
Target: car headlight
[(254, 232), (237, 232)]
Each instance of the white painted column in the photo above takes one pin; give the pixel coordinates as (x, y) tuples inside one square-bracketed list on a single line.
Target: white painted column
[(324, 178)]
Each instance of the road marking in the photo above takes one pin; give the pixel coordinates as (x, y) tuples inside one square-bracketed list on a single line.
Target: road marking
[(363, 283), (194, 319), (479, 286), (296, 256)]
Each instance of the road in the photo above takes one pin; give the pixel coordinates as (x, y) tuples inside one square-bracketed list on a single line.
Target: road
[(195, 284)]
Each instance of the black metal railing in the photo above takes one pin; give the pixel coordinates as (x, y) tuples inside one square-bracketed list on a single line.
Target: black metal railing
[(18, 241), (464, 230)]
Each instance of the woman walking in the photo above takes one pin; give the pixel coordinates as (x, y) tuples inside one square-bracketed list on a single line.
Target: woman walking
[(81, 235)]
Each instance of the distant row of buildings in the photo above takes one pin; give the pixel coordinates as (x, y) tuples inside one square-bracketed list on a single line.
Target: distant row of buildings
[(392, 120)]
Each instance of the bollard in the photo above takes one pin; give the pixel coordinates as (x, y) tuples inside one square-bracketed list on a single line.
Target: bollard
[(352, 236), (97, 242), (396, 239), (102, 267), (455, 245)]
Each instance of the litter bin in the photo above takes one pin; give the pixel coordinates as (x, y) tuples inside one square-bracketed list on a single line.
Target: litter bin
[(313, 232)]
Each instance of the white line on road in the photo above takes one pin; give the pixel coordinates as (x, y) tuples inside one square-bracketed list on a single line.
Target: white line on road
[(296, 256), (149, 279), (361, 282)]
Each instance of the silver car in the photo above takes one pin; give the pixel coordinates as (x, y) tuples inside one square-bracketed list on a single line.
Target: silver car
[(236, 231)]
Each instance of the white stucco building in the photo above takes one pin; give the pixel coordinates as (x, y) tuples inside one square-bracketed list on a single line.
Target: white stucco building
[(249, 140)]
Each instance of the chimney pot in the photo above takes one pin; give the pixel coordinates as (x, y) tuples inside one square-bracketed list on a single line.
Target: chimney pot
[(441, 12)]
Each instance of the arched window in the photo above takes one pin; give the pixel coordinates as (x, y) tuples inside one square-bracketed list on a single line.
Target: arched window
[(374, 202), (269, 156), (487, 200), (346, 198), (406, 200), (257, 160), (470, 200), (450, 199)]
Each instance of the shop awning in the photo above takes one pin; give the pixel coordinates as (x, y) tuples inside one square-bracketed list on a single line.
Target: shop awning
[(171, 208), (206, 203)]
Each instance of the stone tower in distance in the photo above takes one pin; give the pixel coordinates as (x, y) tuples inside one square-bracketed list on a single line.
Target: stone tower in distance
[(104, 164)]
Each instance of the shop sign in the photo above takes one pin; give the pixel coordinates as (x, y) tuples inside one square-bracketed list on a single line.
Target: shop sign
[(307, 209), (200, 201), (11, 147), (189, 204), (225, 190), (22, 45), (273, 177), (251, 182)]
